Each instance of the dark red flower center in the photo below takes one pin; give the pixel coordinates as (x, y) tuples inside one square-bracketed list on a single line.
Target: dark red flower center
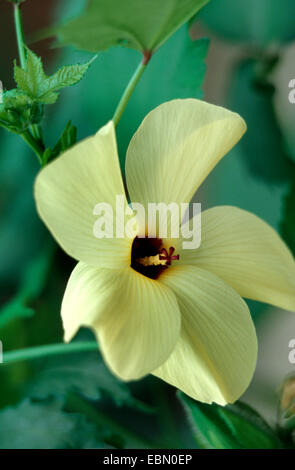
[(150, 258)]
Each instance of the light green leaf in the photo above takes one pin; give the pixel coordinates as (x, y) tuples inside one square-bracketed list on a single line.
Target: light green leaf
[(31, 78), (232, 427), (45, 426), (257, 22), (33, 81), (66, 76), (143, 25)]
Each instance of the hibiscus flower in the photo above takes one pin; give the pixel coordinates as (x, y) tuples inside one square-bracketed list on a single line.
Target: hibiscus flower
[(154, 306)]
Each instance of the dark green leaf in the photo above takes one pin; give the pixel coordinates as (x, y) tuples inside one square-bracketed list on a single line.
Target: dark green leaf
[(256, 22), (143, 25), (232, 427), (45, 426), (85, 374)]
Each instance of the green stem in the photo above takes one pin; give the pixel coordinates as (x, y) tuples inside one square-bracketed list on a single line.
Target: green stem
[(35, 145), (37, 352), (35, 128), (130, 87), (19, 35)]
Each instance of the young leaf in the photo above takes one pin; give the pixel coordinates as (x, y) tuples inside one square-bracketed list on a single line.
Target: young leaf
[(29, 80), (66, 76), (232, 427), (18, 111), (143, 25), (33, 81)]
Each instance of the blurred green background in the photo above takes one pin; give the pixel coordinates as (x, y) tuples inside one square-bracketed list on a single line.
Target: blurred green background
[(73, 401)]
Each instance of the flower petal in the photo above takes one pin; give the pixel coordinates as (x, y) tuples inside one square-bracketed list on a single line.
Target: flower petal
[(215, 357), (86, 297), (175, 148), (67, 191), (136, 319), (246, 253)]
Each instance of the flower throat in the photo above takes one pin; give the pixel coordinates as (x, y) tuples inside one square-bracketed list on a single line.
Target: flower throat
[(150, 258)]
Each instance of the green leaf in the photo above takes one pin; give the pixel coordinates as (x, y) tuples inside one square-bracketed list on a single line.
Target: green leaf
[(232, 427), (66, 76), (33, 282), (143, 25), (32, 425), (85, 374), (258, 23), (30, 79), (33, 81)]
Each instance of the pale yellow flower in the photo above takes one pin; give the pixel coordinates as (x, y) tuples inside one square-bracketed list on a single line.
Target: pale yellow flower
[(188, 324)]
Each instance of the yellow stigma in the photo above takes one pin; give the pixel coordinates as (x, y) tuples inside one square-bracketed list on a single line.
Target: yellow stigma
[(151, 261)]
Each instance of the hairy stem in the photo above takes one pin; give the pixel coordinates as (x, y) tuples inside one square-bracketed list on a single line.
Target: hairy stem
[(19, 35), (37, 352), (35, 128)]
